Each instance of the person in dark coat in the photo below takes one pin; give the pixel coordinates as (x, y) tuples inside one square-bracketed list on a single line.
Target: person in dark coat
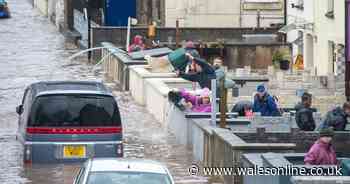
[(191, 49), (338, 118), (265, 103), (203, 74), (242, 108), (322, 152), (304, 113), (220, 74)]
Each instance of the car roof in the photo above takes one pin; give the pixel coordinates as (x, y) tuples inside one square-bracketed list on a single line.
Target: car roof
[(70, 87), (127, 165)]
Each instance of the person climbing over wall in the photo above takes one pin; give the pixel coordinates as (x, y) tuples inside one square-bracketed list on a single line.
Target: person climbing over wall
[(203, 74)]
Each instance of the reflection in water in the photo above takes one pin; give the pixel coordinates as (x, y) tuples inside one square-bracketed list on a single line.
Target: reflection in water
[(35, 51)]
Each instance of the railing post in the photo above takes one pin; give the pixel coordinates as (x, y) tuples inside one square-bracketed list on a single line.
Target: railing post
[(223, 103), (213, 102)]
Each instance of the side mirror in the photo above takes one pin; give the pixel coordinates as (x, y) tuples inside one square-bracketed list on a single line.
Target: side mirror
[(19, 109)]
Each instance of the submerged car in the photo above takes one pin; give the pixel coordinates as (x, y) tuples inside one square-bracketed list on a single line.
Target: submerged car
[(69, 122), (123, 171), (4, 10)]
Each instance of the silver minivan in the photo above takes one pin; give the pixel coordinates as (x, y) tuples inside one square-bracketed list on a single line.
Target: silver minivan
[(69, 122)]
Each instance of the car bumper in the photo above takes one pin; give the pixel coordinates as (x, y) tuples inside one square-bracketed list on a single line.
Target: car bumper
[(49, 152)]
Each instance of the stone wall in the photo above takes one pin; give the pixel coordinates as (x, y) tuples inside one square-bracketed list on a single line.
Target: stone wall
[(117, 35), (42, 5), (238, 53), (257, 56), (320, 179), (303, 140)]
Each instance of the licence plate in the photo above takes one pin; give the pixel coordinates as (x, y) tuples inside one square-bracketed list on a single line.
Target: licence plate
[(74, 151)]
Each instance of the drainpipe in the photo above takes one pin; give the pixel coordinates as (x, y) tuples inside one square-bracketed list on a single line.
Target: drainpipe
[(347, 54), (177, 36), (285, 18), (89, 31), (240, 13), (285, 12)]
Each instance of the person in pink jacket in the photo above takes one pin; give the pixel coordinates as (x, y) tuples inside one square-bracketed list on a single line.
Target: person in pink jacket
[(137, 44), (198, 103), (322, 152)]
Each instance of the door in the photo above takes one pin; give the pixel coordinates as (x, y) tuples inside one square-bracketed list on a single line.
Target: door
[(117, 12)]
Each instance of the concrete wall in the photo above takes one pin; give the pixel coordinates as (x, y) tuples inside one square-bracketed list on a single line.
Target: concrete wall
[(55, 12), (158, 89), (328, 30), (276, 160), (42, 5), (116, 65), (138, 75), (269, 13)]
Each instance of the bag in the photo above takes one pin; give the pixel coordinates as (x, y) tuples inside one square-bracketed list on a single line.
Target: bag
[(178, 59)]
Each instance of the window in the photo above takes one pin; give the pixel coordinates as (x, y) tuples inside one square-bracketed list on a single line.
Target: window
[(127, 177), (330, 9), (299, 4), (75, 110)]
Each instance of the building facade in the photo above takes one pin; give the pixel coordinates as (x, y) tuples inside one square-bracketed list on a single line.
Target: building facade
[(330, 37), (316, 28), (224, 13)]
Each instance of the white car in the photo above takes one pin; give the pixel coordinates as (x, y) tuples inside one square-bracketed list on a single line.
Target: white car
[(123, 171)]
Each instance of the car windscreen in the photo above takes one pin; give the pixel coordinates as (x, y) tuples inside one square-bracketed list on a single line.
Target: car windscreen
[(74, 111), (127, 178)]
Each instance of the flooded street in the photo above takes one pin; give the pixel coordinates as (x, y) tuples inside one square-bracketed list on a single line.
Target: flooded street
[(31, 50)]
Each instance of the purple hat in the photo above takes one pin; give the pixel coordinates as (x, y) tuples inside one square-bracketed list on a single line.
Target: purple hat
[(189, 45)]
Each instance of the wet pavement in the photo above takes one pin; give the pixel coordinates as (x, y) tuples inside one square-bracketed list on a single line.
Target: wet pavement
[(31, 50)]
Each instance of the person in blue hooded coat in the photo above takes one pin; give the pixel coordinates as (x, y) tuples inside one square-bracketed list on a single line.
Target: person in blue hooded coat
[(265, 103)]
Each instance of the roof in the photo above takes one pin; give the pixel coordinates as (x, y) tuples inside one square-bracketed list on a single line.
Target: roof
[(72, 87), (129, 165)]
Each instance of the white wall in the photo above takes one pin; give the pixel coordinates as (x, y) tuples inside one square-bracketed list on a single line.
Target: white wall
[(270, 13), (326, 30), (42, 5), (296, 15), (202, 13)]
